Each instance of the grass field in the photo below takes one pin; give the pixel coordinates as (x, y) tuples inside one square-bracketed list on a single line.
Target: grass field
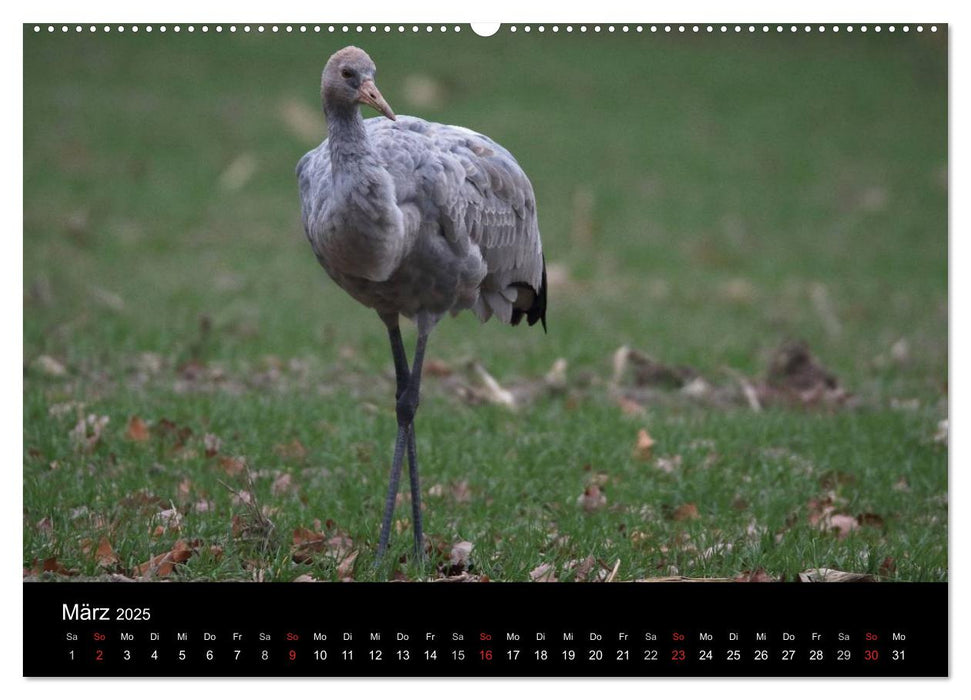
[(702, 200)]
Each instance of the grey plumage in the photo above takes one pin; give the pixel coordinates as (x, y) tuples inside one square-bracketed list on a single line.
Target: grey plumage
[(417, 219), (446, 221)]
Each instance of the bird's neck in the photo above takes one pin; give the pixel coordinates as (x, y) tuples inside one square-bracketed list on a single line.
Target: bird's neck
[(347, 137)]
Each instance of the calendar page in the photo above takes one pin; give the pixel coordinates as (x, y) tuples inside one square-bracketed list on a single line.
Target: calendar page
[(512, 350)]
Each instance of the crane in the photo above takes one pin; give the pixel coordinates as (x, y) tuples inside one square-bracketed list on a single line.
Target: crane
[(416, 219)]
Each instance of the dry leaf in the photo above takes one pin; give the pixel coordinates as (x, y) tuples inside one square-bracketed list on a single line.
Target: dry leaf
[(212, 444), (888, 567), (105, 555), (629, 407), (543, 573), (437, 368), (163, 565), (644, 446), (459, 557), (592, 498), (668, 464), (842, 524), (832, 576), (232, 465), (52, 565), (688, 511), (281, 484), (87, 433), (49, 366), (870, 520), (137, 429), (757, 576), (291, 450)]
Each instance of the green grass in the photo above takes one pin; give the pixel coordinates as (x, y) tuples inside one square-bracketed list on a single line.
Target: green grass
[(744, 191)]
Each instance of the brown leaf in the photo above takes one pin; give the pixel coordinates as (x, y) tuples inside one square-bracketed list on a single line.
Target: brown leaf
[(459, 557), (162, 565), (281, 484), (212, 443), (137, 430), (629, 407), (52, 565), (832, 576), (842, 524), (668, 464), (888, 567), (291, 450), (543, 573), (45, 524), (592, 498), (105, 555), (232, 465), (870, 520), (687, 511), (644, 446), (87, 433), (757, 576), (437, 368), (345, 568)]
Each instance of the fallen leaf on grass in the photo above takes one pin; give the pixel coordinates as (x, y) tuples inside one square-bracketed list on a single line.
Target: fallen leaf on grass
[(282, 484), (163, 565), (870, 520), (86, 435), (49, 366), (137, 429), (832, 576), (437, 368), (668, 464), (644, 445), (232, 465), (305, 578), (629, 407), (687, 511), (543, 573), (758, 576), (888, 567), (459, 559), (842, 524), (144, 502), (211, 443), (307, 544), (103, 554), (592, 498), (291, 450), (51, 565)]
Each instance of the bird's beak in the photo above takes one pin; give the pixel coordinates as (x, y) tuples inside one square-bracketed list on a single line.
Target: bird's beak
[(370, 95)]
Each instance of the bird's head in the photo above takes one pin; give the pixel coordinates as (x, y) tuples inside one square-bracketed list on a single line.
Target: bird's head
[(348, 80)]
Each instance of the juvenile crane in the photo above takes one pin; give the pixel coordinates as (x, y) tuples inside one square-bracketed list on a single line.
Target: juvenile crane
[(417, 219)]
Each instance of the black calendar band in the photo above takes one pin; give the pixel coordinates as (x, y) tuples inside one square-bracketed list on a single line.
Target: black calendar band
[(438, 629)]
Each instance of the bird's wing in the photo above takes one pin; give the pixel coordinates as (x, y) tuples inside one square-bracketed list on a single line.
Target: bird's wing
[(313, 178), (478, 193)]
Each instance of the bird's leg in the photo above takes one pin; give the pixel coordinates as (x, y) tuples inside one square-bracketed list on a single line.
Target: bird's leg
[(402, 374), (399, 449), (407, 406)]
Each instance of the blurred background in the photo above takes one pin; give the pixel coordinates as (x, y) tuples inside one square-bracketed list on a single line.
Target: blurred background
[(702, 198)]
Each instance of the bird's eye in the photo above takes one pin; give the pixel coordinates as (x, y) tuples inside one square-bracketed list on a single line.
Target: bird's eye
[(346, 74)]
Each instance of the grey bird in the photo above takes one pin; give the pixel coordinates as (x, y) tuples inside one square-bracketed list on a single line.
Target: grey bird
[(417, 219)]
